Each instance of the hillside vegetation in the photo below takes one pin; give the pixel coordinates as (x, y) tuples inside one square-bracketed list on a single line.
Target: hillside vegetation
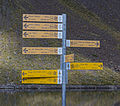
[(82, 23)]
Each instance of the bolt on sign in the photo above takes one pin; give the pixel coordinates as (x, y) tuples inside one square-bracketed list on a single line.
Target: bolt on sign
[(84, 66), (42, 18), (43, 81), (41, 73), (82, 43), (69, 58), (42, 50), (42, 34), (42, 26)]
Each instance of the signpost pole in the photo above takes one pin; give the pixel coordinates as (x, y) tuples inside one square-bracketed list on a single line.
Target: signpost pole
[(63, 62)]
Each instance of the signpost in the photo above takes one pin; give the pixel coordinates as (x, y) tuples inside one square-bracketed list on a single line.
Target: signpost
[(53, 26), (84, 66), (42, 50), (42, 18), (82, 43), (42, 34), (63, 62), (41, 73), (42, 26), (42, 81), (69, 58)]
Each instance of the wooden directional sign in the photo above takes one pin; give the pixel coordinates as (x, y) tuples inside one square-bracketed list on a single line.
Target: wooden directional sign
[(69, 58), (42, 18), (41, 73), (42, 26), (43, 81), (82, 43), (42, 50), (84, 66), (42, 34)]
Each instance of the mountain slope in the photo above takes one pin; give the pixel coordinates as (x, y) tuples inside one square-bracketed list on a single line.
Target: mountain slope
[(86, 20)]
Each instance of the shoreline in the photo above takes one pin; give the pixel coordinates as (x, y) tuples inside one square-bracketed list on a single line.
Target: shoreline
[(59, 87)]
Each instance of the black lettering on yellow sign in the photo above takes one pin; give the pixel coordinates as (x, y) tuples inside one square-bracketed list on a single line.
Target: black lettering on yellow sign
[(86, 66)]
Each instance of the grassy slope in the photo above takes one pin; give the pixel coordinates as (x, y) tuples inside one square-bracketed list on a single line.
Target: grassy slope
[(12, 61), (107, 76)]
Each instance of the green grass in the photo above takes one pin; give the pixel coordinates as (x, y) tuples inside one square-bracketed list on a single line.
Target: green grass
[(94, 34), (99, 77), (13, 61), (118, 46)]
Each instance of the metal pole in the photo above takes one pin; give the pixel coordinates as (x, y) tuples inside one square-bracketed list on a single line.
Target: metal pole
[(63, 62)]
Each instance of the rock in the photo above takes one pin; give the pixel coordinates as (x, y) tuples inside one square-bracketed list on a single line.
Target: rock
[(15, 53), (117, 68), (8, 57)]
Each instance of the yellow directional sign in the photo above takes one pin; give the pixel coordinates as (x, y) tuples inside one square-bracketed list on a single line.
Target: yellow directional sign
[(42, 26), (69, 58), (42, 18), (43, 81), (41, 73), (84, 66), (42, 34), (42, 50), (82, 43)]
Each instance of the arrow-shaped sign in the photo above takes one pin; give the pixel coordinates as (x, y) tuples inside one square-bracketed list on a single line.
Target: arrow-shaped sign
[(42, 26), (42, 34), (82, 43), (69, 58), (42, 50), (42, 18), (84, 66), (41, 73), (42, 81)]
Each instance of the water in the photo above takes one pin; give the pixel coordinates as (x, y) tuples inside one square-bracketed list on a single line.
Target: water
[(82, 98)]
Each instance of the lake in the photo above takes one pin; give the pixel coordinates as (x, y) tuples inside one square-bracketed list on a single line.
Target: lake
[(47, 98)]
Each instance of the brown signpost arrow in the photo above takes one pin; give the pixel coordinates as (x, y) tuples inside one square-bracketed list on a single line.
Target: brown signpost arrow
[(42, 26), (82, 43), (42, 50), (42, 18), (42, 34), (69, 58)]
